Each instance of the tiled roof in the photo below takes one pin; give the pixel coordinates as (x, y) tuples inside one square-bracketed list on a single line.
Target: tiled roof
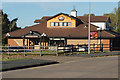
[(94, 18), (78, 32), (82, 18)]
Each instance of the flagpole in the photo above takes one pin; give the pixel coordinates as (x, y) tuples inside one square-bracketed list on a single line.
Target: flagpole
[(89, 30)]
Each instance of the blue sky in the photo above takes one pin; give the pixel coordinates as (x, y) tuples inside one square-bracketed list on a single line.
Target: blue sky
[(27, 12)]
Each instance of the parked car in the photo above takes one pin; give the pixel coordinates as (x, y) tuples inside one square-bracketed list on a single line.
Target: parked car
[(82, 48), (67, 49), (16, 49)]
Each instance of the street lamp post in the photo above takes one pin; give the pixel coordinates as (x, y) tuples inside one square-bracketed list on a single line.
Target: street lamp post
[(100, 38), (89, 31)]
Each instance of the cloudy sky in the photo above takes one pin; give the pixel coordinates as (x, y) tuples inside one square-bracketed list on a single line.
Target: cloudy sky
[(27, 12)]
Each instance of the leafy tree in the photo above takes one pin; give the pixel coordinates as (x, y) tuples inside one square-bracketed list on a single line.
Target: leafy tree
[(88, 14), (5, 23), (114, 19), (118, 30), (13, 25), (7, 26)]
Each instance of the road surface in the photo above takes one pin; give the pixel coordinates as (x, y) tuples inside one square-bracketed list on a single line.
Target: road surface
[(72, 67)]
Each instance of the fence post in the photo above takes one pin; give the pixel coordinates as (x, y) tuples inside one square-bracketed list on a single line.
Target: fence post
[(40, 51), (24, 50), (102, 48), (72, 49), (93, 48), (84, 48), (64, 50), (110, 46), (57, 51), (8, 53)]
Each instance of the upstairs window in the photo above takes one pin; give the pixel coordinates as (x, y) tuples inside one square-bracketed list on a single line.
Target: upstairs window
[(69, 23), (52, 24), (60, 24), (56, 24), (65, 23)]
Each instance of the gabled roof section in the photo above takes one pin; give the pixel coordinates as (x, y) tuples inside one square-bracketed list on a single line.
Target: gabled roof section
[(63, 14)]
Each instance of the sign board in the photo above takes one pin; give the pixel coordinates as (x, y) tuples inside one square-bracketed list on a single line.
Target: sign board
[(93, 35), (31, 36), (61, 18)]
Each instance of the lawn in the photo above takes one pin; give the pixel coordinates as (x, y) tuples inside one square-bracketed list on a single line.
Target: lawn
[(12, 59)]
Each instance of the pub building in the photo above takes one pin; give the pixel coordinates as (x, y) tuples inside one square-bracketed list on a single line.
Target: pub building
[(64, 29)]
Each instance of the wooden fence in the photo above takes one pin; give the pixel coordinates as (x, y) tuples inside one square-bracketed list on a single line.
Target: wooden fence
[(52, 49)]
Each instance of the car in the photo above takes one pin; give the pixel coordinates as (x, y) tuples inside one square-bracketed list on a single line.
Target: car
[(82, 48), (67, 49)]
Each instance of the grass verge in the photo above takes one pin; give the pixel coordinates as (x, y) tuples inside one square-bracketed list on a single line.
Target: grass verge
[(11, 59)]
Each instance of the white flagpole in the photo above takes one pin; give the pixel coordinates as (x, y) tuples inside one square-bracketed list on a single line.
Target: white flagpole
[(89, 30)]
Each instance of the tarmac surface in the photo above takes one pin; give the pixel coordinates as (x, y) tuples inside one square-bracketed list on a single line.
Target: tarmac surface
[(70, 67)]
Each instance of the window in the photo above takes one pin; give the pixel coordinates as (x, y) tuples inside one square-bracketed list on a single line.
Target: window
[(56, 24), (60, 23), (52, 24), (57, 42), (69, 23), (65, 23)]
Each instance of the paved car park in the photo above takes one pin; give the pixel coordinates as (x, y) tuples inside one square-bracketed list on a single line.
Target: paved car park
[(71, 67)]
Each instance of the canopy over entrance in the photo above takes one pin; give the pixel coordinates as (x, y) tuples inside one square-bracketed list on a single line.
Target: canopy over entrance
[(34, 38)]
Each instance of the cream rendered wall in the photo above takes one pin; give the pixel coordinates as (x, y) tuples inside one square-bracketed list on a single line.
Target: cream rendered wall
[(67, 19), (81, 41)]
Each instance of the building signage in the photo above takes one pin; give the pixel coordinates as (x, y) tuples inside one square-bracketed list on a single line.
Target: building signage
[(61, 18), (57, 38), (93, 34), (32, 36)]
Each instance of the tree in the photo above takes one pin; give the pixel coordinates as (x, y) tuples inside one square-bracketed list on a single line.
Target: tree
[(118, 30), (114, 19), (88, 15), (13, 25), (5, 23), (7, 26)]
